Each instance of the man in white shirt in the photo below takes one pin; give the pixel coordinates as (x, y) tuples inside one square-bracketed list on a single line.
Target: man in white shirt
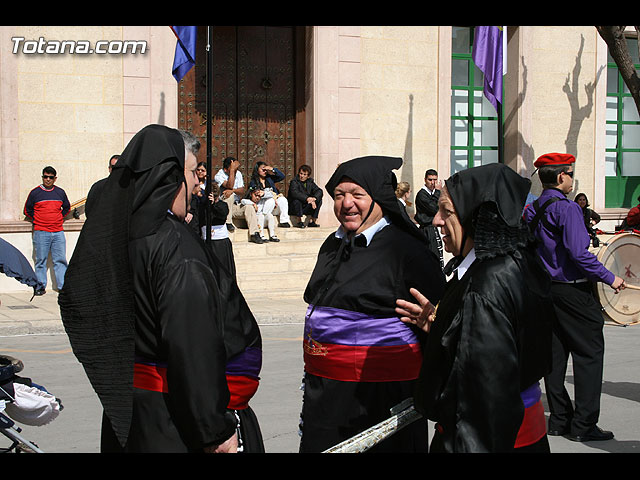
[(426, 208), (229, 178)]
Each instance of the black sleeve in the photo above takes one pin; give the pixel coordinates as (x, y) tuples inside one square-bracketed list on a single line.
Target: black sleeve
[(296, 192), (190, 324), (486, 376), (426, 208), (316, 191)]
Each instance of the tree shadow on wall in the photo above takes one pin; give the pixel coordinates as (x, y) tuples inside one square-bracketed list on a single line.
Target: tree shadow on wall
[(579, 113), (516, 136)]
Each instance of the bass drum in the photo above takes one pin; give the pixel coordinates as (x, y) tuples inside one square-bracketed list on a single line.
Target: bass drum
[(621, 256)]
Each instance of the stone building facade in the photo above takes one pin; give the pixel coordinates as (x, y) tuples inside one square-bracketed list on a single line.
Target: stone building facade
[(360, 90)]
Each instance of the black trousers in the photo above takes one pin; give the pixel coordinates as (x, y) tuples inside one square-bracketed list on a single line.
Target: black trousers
[(577, 331), (334, 411), (298, 208)]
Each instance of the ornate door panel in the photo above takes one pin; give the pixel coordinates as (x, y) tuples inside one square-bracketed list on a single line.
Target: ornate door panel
[(254, 97)]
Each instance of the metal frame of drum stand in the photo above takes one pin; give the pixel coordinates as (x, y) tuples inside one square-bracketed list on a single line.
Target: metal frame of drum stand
[(20, 445)]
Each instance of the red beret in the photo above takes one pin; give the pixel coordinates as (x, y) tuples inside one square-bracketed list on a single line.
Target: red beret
[(554, 159)]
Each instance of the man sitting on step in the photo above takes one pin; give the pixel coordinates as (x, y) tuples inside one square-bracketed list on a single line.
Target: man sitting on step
[(305, 198), (229, 178)]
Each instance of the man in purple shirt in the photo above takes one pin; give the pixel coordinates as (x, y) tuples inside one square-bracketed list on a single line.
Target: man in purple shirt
[(564, 250)]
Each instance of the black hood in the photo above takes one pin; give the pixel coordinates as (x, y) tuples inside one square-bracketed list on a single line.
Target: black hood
[(375, 175), (494, 183), (96, 302)]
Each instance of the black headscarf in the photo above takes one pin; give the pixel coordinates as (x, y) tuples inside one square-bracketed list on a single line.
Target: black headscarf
[(375, 175), (96, 302), (489, 201)]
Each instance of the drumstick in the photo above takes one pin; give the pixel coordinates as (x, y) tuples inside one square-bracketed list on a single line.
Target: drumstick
[(634, 287)]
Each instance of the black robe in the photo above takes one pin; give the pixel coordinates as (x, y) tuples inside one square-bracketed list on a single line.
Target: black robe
[(159, 325), (426, 209), (181, 336), (222, 248), (93, 195), (490, 341), (362, 296)]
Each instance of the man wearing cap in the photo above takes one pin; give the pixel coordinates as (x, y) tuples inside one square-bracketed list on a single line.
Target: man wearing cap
[(564, 250), (360, 358)]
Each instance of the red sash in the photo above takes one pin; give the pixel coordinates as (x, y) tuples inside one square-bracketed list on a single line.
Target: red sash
[(350, 363), (154, 378), (150, 377), (533, 426)]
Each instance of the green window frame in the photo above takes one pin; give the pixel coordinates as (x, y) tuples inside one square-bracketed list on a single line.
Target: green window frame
[(474, 121), (622, 151)]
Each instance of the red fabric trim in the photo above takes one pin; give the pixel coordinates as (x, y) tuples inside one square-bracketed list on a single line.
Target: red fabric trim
[(533, 426), (242, 389), (363, 364), (150, 377)]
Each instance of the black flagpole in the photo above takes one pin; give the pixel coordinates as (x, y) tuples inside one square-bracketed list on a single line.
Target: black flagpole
[(209, 83)]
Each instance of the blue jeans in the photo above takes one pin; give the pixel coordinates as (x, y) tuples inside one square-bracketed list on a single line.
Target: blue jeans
[(54, 242)]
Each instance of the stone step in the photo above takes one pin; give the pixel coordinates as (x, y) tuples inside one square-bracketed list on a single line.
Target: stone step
[(241, 235), (279, 269), (287, 263), (283, 248), (273, 284)]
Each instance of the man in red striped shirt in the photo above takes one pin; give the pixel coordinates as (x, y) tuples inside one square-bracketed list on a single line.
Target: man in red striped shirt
[(46, 207)]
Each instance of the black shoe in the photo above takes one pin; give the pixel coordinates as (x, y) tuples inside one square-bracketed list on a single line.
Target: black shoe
[(558, 433), (256, 238), (595, 435), (284, 225), (230, 227), (300, 225), (312, 224), (274, 239), (40, 292)]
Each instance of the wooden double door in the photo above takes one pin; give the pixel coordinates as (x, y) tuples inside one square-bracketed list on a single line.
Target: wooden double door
[(257, 98)]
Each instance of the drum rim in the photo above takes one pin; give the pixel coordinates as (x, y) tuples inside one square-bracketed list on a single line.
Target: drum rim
[(600, 287)]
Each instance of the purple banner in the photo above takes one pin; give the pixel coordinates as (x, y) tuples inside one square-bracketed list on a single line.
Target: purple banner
[(487, 55)]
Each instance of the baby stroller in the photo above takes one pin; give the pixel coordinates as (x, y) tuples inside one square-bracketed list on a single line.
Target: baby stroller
[(22, 401)]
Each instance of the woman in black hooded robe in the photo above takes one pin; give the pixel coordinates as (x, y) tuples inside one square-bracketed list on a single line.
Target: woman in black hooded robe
[(489, 340), (147, 312)]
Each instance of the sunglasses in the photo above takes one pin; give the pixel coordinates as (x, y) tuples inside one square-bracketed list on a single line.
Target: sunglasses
[(48, 176), (569, 173)]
